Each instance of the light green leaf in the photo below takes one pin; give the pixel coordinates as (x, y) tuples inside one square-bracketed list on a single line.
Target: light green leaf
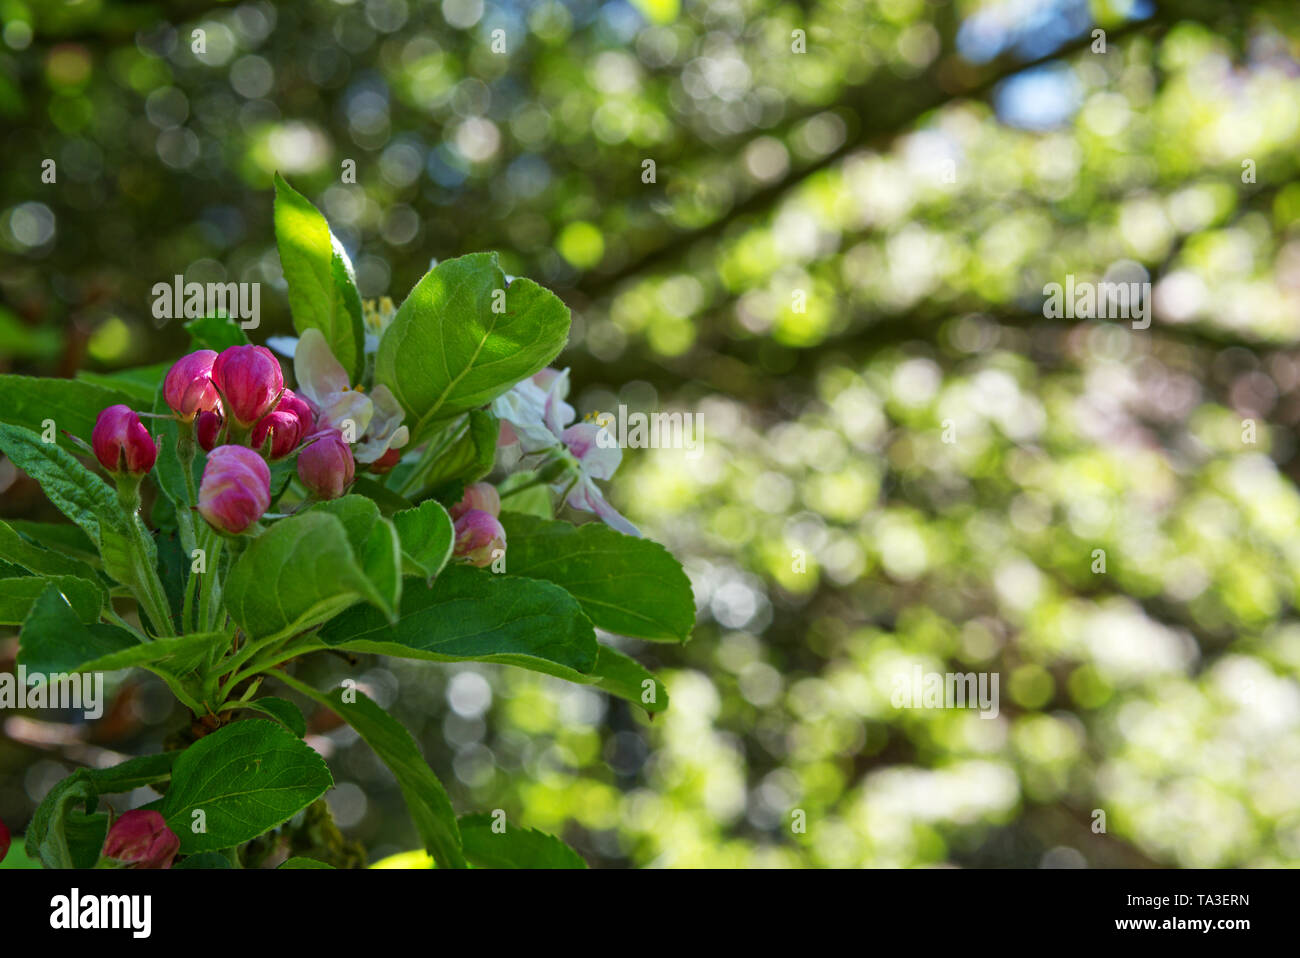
[(426, 799), (532, 501), (470, 456), (294, 576), (246, 778), (427, 539), (626, 585), (473, 614), (514, 847), (322, 291), (375, 543), (447, 349)]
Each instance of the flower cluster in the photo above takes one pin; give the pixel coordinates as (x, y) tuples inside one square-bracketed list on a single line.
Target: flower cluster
[(536, 421), (235, 406)]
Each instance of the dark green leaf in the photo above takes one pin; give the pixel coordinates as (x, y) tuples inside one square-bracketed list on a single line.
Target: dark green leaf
[(626, 585), (72, 405), (18, 595), (246, 778), (138, 384), (14, 548), (473, 614), (299, 862), (204, 860), (426, 799), (514, 847), (283, 711)]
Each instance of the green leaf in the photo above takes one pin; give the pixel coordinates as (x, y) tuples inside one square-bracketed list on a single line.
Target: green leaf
[(300, 862), (622, 676), (61, 536), (18, 595), (53, 639), (81, 496), (515, 847), (427, 800), (448, 351), (427, 538), (283, 711), (626, 585), (62, 836), (322, 291), (204, 860), (73, 405), (473, 614), (246, 778), (471, 456), (14, 548), (375, 543), (386, 499), (216, 333), (76, 491), (533, 501), (138, 384), (294, 576)]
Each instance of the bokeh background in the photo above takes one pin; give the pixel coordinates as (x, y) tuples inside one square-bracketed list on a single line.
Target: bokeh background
[(919, 173)]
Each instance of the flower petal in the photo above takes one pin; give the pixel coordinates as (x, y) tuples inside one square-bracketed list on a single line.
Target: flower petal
[(318, 372), (586, 497), (598, 458)]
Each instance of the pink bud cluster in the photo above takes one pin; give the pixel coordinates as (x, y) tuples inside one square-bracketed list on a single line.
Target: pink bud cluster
[(479, 532), (243, 416)]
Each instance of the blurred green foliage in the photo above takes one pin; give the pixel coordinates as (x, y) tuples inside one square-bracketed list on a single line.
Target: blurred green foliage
[(839, 265)]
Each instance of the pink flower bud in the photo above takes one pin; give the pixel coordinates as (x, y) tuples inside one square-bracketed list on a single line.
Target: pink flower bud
[(325, 465), (291, 402), (478, 495), (249, 378), (285, 426), (478, 535), (188, 387), (386, 462), (121, 442), (207, 428), (141, 839), (236, 488), (4, 841)]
